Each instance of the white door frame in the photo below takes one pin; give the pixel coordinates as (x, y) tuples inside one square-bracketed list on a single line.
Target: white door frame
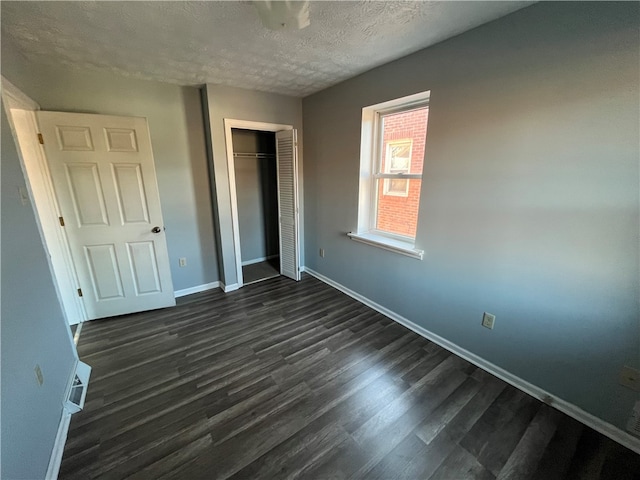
[(230, 123), (20, 110)]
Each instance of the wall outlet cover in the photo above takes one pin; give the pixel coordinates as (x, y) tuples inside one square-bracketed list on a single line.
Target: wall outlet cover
[(633, 425), (182, 261), (24, 196), (488, 320), (630, 377), (321, 252), (39, 375)]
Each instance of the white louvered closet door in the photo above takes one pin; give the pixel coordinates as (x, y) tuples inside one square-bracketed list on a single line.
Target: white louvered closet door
[(287, 154)]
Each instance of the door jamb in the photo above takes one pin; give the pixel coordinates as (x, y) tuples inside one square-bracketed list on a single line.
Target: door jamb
[(42, 197), (230, 123)]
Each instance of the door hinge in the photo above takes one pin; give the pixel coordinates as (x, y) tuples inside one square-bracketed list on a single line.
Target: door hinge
[(61, 219), (40, 139), (79, 292)]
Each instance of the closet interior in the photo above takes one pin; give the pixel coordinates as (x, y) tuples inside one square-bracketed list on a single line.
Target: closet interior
[(255, 167)]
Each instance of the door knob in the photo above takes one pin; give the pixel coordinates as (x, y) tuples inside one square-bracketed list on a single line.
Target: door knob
[(156, 229)]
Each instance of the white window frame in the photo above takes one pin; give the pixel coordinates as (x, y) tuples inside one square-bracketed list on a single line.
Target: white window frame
[(371, 144)]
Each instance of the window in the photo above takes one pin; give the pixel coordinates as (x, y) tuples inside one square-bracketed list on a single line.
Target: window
[(397, 160), (391, 159)]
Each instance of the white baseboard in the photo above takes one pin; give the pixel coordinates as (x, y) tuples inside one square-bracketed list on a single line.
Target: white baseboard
[(229, 288), (58, 447), (76, 335), (568, 408), (196, 289), (258, 260)]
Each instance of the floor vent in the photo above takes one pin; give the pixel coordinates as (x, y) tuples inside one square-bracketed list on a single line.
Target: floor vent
[(634, 422), (78, 390)]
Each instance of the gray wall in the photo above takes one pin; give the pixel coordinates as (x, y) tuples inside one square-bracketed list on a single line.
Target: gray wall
[(239, 104), (530, 203), (177, 135), (33, 331), (257, 194)]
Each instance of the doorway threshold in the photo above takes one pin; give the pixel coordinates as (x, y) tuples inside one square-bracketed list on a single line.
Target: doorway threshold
[(261, 280)]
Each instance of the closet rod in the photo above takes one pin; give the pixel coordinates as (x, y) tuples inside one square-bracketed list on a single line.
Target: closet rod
[(254, 155)]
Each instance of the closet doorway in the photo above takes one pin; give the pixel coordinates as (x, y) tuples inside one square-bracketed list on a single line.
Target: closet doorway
[(262, 162), (256, 172)]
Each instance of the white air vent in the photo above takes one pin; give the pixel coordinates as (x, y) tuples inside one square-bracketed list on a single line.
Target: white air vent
[(634, 422), (78, 388)]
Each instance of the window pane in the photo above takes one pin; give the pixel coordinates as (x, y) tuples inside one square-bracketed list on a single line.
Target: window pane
[(398, 156), (396, 186), (397, 209), (403, 139)]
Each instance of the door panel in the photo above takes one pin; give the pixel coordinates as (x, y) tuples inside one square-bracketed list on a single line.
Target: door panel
[(105, 275), (142, 258), (132, 200), (86, 194), (74, 138), (121, 140), (287, 154), (104, 177)]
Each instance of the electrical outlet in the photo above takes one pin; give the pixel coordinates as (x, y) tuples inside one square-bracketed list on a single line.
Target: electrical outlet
[(183, 261), (39, 375), (322, 252), (24, 196), (488, 320), (630, 377)]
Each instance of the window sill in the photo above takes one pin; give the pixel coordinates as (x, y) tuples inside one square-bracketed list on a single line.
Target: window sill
[(397, 246)]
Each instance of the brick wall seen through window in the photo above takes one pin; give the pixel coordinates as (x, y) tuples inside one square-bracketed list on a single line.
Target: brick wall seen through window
[(397, 212)]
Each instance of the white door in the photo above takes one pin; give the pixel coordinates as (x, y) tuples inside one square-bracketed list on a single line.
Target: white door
[(105, 182), (287, 154)]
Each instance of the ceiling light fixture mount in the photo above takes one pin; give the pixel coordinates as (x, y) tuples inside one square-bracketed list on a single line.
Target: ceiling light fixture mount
[(283, 15)]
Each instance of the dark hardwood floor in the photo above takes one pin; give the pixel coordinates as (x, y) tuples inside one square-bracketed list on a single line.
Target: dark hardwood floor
[(296, 380), (261, 271)]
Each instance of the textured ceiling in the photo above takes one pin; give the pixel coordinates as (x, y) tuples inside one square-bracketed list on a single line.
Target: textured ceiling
[(190, 43)]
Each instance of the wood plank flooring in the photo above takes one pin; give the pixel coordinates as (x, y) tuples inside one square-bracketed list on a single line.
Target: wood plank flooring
[(261, 270), (296, 380)]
